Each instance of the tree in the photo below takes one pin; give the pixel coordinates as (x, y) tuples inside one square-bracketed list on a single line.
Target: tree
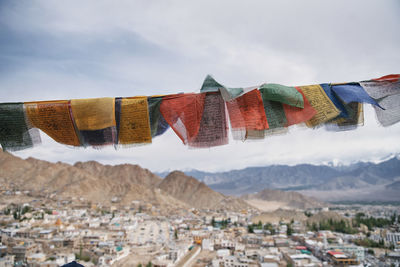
[(26, 209), (270, 228), (289, 230), (149, 264), (314, 227), (139, 265), (307, 213), (7, 211), (250, 228)]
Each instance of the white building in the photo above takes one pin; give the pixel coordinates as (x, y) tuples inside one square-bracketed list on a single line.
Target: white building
[(207, 244), (393, 238), (7, 261)]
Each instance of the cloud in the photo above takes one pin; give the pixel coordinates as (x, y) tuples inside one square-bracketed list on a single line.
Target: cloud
[(75, 49)]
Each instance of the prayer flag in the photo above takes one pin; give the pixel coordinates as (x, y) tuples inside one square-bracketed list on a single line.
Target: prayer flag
[(283, 94), (158, 125), (295, 115), (213, 126), (134, 125), (355, 117), (95, 120), (382, 87), (247, 115), (324, 107), (391, 112), (183, 112), (335, 100), (15, 134), (53, 118), (353, 92)]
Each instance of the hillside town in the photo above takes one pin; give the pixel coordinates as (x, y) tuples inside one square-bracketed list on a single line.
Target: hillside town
[(49, 232)]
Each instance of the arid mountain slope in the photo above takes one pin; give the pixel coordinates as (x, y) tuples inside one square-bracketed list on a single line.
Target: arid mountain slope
[(292, 200), (197, 194), (91, 181), (102, 183), (134, 173)]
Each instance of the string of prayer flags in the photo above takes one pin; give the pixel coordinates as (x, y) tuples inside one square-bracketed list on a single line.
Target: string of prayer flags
[(158, 124), (213, 126), (183, 113), (295, 115), (283, 94), (53, 118), (133, 125), (15, 134), (247, 116), (95, 120), (200, 120), (324, 107)]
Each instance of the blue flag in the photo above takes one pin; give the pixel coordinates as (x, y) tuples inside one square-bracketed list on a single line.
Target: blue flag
[(339, 105), (353, 92)]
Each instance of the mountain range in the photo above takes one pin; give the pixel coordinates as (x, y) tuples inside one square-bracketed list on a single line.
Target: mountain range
[(266, 188), (362, 181), (106, 184)]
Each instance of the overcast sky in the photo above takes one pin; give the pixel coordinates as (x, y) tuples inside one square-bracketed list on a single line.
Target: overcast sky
[(84, 49)]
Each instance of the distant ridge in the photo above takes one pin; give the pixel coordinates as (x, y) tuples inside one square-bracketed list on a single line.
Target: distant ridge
[(361, 181), (197, 194), (292, 200)]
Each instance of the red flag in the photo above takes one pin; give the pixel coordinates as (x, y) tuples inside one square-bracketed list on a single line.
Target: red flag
[(183, 112), (298, 115), (246, 113)]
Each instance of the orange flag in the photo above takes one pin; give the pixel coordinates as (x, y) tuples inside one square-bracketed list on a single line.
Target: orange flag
[(53, 118)]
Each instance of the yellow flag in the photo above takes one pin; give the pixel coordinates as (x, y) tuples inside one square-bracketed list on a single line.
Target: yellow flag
[(53, 118), (134, 121), (318, 99), (93, 114)]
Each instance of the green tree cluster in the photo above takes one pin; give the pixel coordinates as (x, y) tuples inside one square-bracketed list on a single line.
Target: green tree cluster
[(371, 222), (333, 225), (270, 228), (370, 243)]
